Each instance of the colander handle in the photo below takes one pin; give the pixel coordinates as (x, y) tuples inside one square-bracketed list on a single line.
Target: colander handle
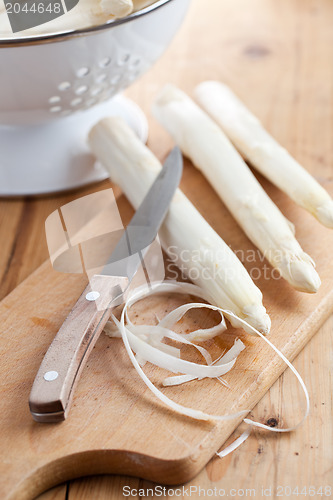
[(60, 370)]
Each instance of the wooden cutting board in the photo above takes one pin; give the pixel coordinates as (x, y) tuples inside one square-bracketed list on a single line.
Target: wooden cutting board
[(116, 425)]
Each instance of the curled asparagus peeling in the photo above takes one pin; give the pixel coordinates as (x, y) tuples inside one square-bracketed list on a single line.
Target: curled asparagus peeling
[(210, 150), (261, 149), (185, 234)]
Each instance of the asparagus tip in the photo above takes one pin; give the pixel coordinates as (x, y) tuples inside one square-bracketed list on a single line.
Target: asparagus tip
[(324, 214), (302, 275), (258, 318)]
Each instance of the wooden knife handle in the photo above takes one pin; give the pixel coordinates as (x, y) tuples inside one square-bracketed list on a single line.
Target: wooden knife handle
[(60, 370)]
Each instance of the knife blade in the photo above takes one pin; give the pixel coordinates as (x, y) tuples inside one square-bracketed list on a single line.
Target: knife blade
[(61, 367), (142, 230)]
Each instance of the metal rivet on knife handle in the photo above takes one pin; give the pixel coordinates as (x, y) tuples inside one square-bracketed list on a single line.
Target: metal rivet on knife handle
[(51, 375), (91, 296)]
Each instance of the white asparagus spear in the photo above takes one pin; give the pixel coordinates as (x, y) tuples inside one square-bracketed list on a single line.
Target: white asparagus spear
[(142, 4), (117, 8), (194, 246), (209, 149), (263, 151), (122, 8)]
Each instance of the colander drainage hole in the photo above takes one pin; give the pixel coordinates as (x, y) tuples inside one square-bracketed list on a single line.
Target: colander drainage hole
[(115, 79), (101, 78), (90, 102), (64, 86), (84, 71), (81, 90), (124, 59), (105, 62), (76, 102), (54, 99), (96, 91)]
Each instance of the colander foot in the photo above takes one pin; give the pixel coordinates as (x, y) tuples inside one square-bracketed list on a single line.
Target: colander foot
[(54, 156)]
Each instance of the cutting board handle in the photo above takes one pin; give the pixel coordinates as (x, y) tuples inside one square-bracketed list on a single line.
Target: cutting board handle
[(60, 370)]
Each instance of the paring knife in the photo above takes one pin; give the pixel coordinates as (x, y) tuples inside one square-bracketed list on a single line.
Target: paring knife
[(60, 370)]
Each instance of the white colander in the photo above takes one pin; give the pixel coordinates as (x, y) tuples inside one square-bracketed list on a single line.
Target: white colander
[(53, 88)]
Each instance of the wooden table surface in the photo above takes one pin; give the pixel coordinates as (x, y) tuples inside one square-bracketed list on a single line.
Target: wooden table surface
[(277, 54)]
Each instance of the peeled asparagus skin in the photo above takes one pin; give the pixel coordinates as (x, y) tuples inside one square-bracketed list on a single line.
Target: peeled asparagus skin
[(190, 241), (210, 150), (262, 150)]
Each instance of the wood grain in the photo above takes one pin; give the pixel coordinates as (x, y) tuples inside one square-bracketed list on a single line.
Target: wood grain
[(277, 57), (50, 401), (116, 425)]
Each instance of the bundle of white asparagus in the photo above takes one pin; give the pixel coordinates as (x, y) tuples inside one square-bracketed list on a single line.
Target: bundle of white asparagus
[(185, 234), (85, 14), (262, 151), (211, 151)]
